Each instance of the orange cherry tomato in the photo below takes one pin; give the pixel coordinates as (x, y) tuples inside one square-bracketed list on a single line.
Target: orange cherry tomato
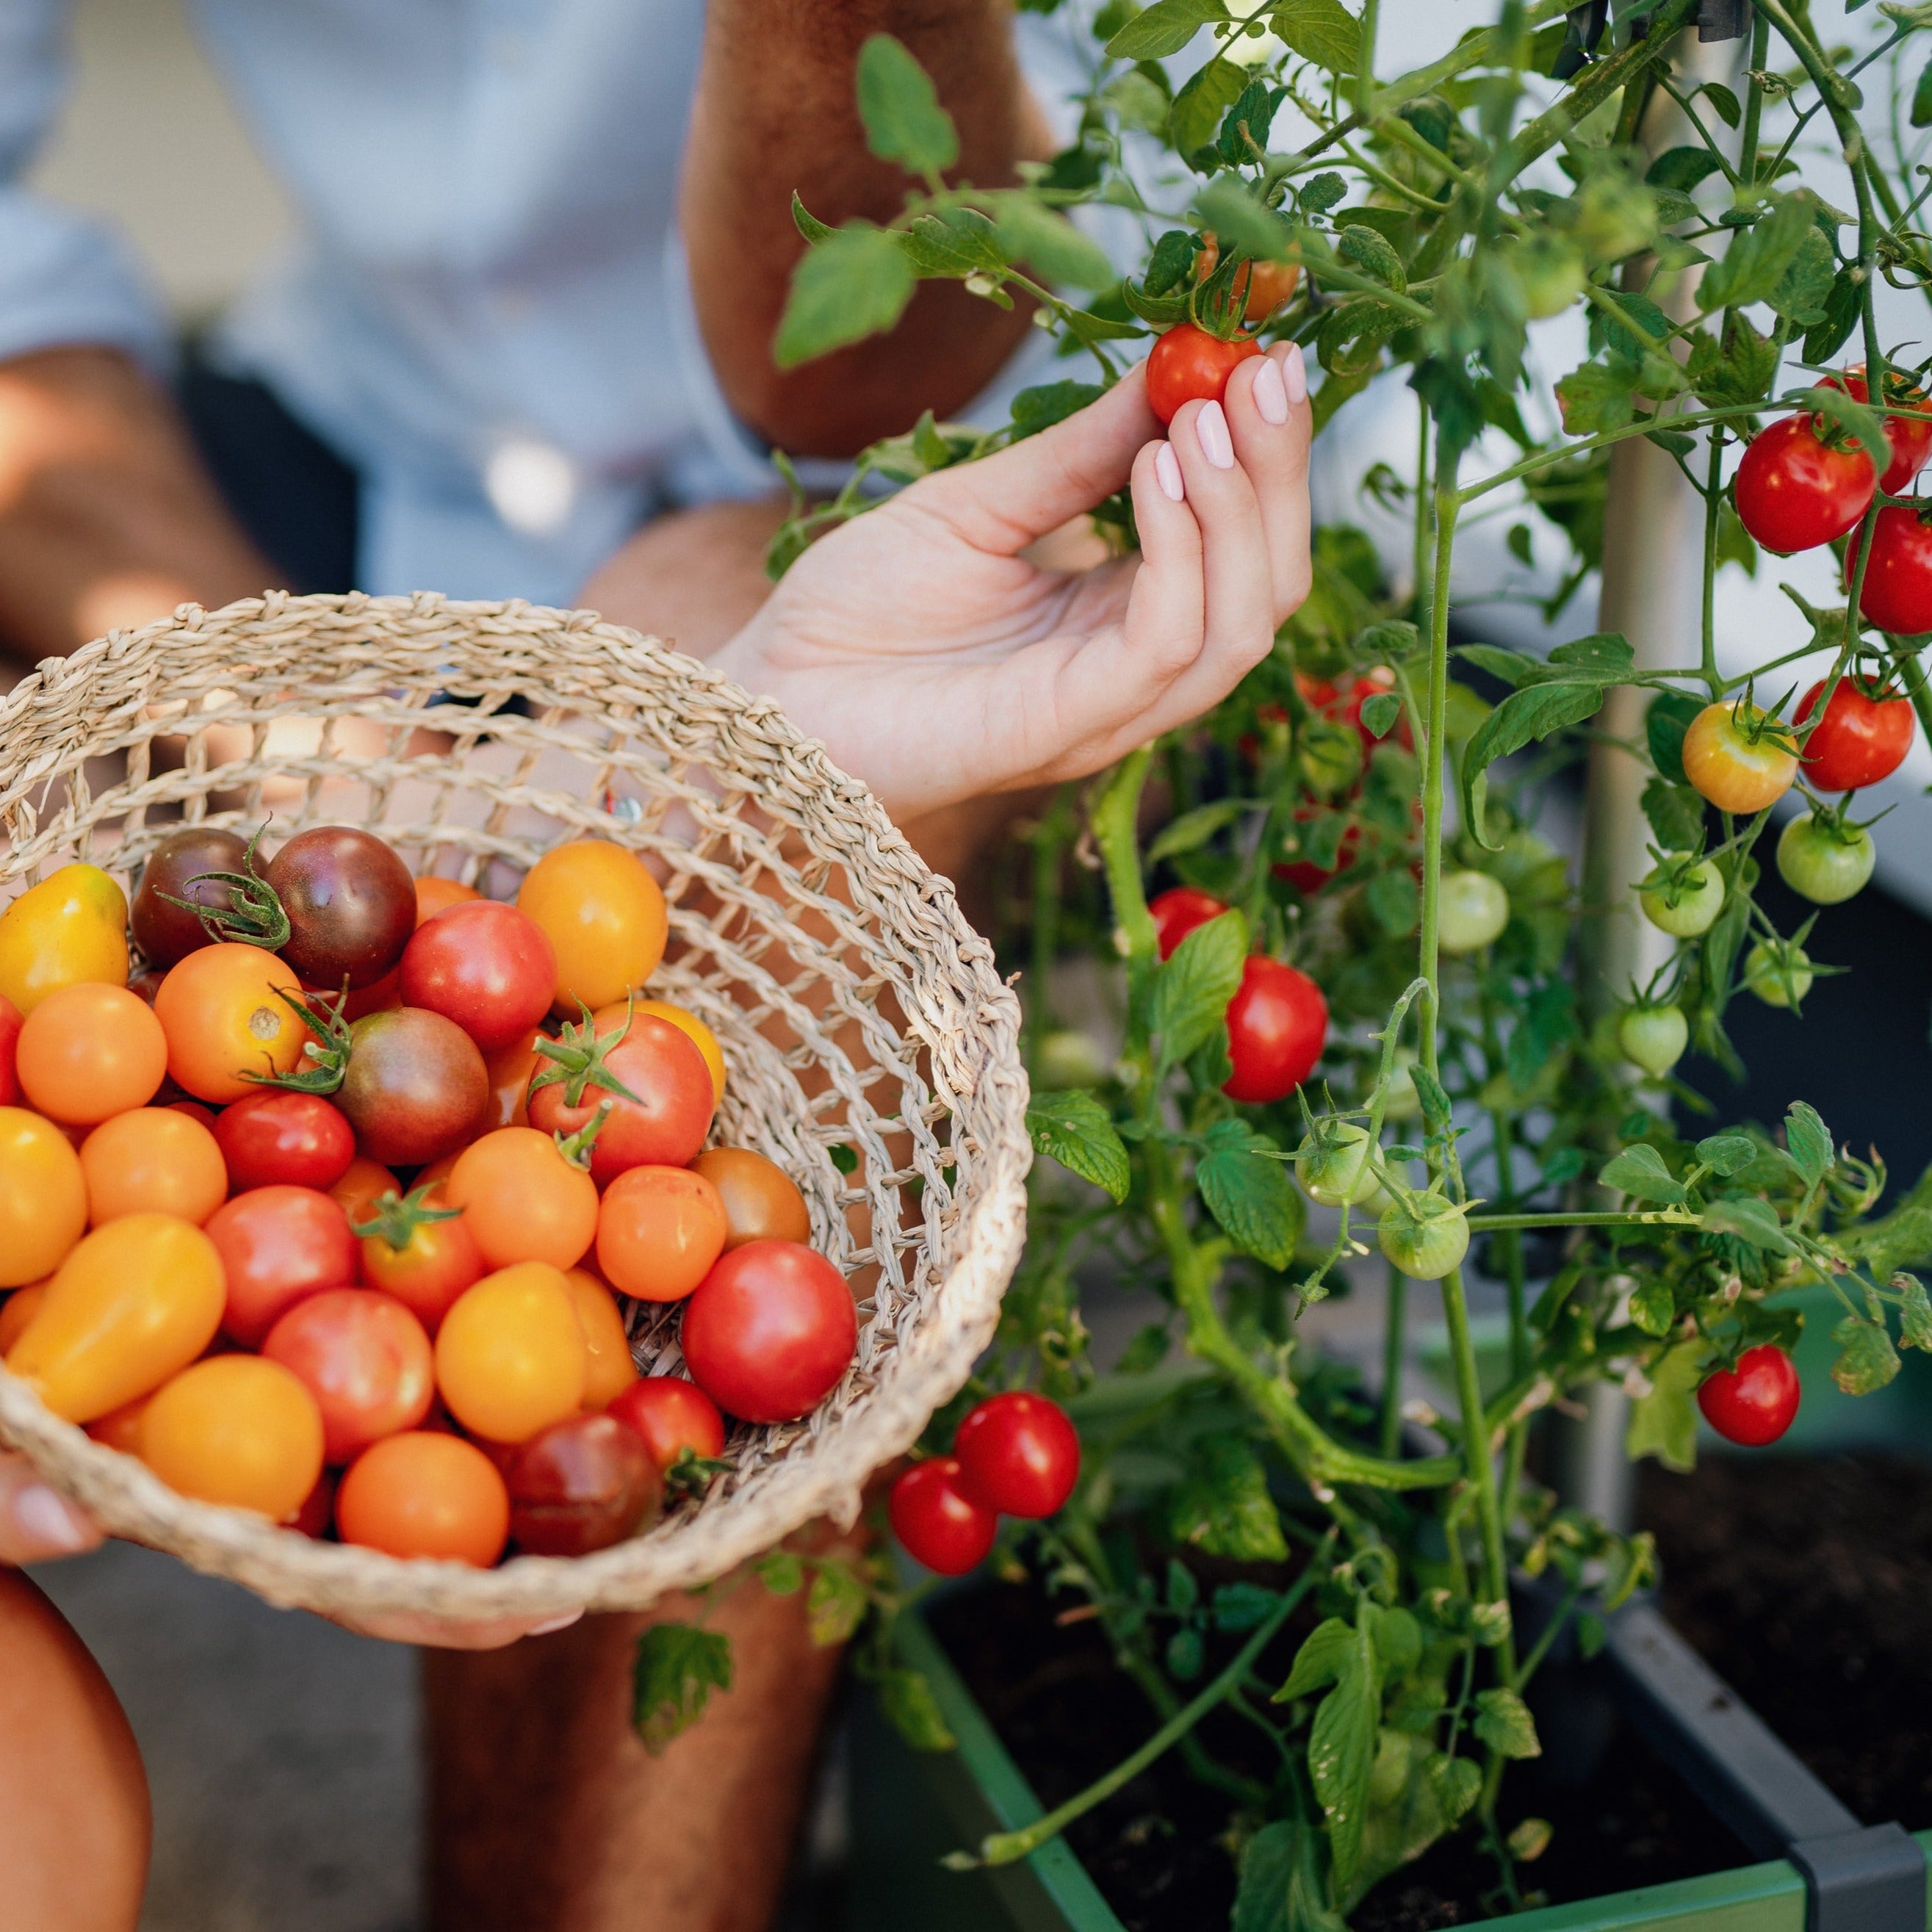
[(605, 916), (511, 1358), (42, 1197), (70, 928), (761, 1202), (1739, 757), (89, 1051), (510, 1069), (425, 1494), (523, 1201), (152, 1160), (134, 1303), (434, 896), (687, 1023), (121, 1428), (610, 1368), (365, 1184), (658, 1231), (236, 1430), (225, 1018), (416, 1248), (20, 1308)]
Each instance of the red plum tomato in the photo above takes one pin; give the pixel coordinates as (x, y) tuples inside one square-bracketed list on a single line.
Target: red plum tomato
[(271, 1137), (486, 966), (1277, 1026), (1018, 1454), (769, 1331), (417, 1248), (1753, 1404), (278, 1245), (364, 1358), (937, 1522)]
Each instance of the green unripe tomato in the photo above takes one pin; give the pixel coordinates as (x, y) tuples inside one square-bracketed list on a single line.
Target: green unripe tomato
[(1402, 1101), (1069, 1058), (1653, 1037), (1684, 907), (1334, 1165), (1780, 975), (1823, 863), (1473, 909), (1425, 1236)]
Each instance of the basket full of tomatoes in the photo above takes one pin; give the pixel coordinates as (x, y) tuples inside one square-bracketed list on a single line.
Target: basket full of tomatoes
[(491, 1122)]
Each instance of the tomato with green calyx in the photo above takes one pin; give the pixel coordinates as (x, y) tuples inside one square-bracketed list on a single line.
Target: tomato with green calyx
[(1778, 972), (418, 1249), (1333, 1164), (1863, 736), (1753, 1404), (1683, 896), (1794, 490), (1187, 365), (1897, 593), (1910, 436), (1425, 1236), (649, 1081), (675, 1420), (178, 884), (1277, 1026), (1824, 860), (1018, 1454), (524, 1199), (1471, 912), (1739, 757), (936, 1522), (1653, 1037), (1177, 912), (415, 1087), (71, 928)]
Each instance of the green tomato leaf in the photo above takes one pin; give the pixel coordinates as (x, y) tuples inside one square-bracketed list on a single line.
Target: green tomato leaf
[(1503, 1723), (1319, 1661), (1751, 1220), (1192, 829), (1676, 814), (1805, 286), (1258, 1207), (954, 242), (1041, 407), (1073, 1128), (1341, 1754), (900, 108), (1320, 31), (907, 1698), (1520, 719), (1280, 1887), (1842, 310), (835, 1606), (855, 284), (1164, 28), (1663, 1423), (1916, 1317), (808, 224), (1192, 990), (1867, 1359), (1808, 1141), (1234, 211), (677, 1667), (1379, 714), (1921, 98), (1596, 397), (1223, 1507), (1395, 900), (1043, 237), (1681, 168), (1372, 253), (1752, 266), (1670, 715), (1727, 1154), (1653, 1307), (781, 1573), (1242, 1606), (1640, 1172), (1198, 108)]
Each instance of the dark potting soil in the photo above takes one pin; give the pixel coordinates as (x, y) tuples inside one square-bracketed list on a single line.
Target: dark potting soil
[(1806, 1581), (1158, 1850)]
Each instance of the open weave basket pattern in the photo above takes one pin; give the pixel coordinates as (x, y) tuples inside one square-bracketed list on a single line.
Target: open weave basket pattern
[(857, 1010)]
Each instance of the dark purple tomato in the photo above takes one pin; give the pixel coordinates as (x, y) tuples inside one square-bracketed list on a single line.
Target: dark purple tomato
[(351, 903), (582, 1484), (275, 1137), (165, 933), (416, 1086)]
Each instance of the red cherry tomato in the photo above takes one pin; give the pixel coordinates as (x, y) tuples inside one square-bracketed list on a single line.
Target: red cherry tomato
[(1862, 737), (769, 1331), (364, 1358), (278, 1245), (1303, 874), (674, 1417), (1344, 706), (1018, 1454), (1896, 595), (416, 1248), (1277, 1026), (1178, 911), (10, 1040), (296, 1139), (1910, 436), (1187, 364), (1753, 1404), (661, 1118), (1794, 492), (486, 966), (939, 1524)]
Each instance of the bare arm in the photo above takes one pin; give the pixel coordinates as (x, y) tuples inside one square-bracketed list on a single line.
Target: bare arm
[(106, 517), (774, 113)]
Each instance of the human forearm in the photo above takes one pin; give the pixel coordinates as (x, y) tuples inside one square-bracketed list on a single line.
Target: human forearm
[(774, 113), (106, 517)]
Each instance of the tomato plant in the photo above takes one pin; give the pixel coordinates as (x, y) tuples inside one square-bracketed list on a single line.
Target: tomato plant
[(1018, 1455), (1910, 436), (1186, 365), (1796, 490), (1753, 1404), (1425, 1236), (1475, 910), (1824, 858), (1653, 1037), (1740, 757), (769, 1331)]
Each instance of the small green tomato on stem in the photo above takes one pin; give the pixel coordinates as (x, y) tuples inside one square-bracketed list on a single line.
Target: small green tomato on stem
[(1425, 1235), (1683, 895), (1779, 971), (1474, 908), (1825, 859), (1653, 1037), (1333, 1164)]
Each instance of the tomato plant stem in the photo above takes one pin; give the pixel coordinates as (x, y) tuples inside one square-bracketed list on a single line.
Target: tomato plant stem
[(1394, 1345)]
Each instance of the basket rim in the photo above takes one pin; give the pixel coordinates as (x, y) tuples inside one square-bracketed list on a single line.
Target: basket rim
[(816, 1476)]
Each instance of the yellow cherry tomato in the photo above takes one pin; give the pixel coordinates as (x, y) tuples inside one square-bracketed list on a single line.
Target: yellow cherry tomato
[(223, 1012), (603, 914), (610, 1368), (153, 1160), (237, 1429), (20, 1308), (607, 1018), (1741, 758), (70, 928), (42, 1197), (134, 1303), (511, 1358)]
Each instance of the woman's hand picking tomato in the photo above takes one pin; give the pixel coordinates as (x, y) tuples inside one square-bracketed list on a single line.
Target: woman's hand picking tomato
[(425, 1494), (1740, 758), (938, 1524), (152, 1160), (486, 966), (1189, 365), (415, 1088), (605, 916), (1863, 736), (760, 1203), (523, 1200), (770, 1331), (1018, 1454), (364, 1358), (1277, 1026), (230, 1023), (659, 1229), (71, 928), (659, 1091), (417, 1248), (1177, 912), (1753, 1404), (1794, 490), (278, 1245), (510, 1356), (1897, 594), (275, 1137), (674, 1418)]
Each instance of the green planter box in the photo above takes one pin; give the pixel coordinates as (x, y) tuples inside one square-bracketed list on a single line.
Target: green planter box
[(910, 1808)]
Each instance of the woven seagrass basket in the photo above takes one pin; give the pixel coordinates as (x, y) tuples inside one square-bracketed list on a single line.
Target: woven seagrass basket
[(860, 1014)]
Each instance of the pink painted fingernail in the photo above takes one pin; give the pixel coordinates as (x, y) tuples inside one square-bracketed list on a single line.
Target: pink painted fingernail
[(1270, 398), (563, 1622), (48, 1521), (1210, 428), (1295, 374), (1167, 473)]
